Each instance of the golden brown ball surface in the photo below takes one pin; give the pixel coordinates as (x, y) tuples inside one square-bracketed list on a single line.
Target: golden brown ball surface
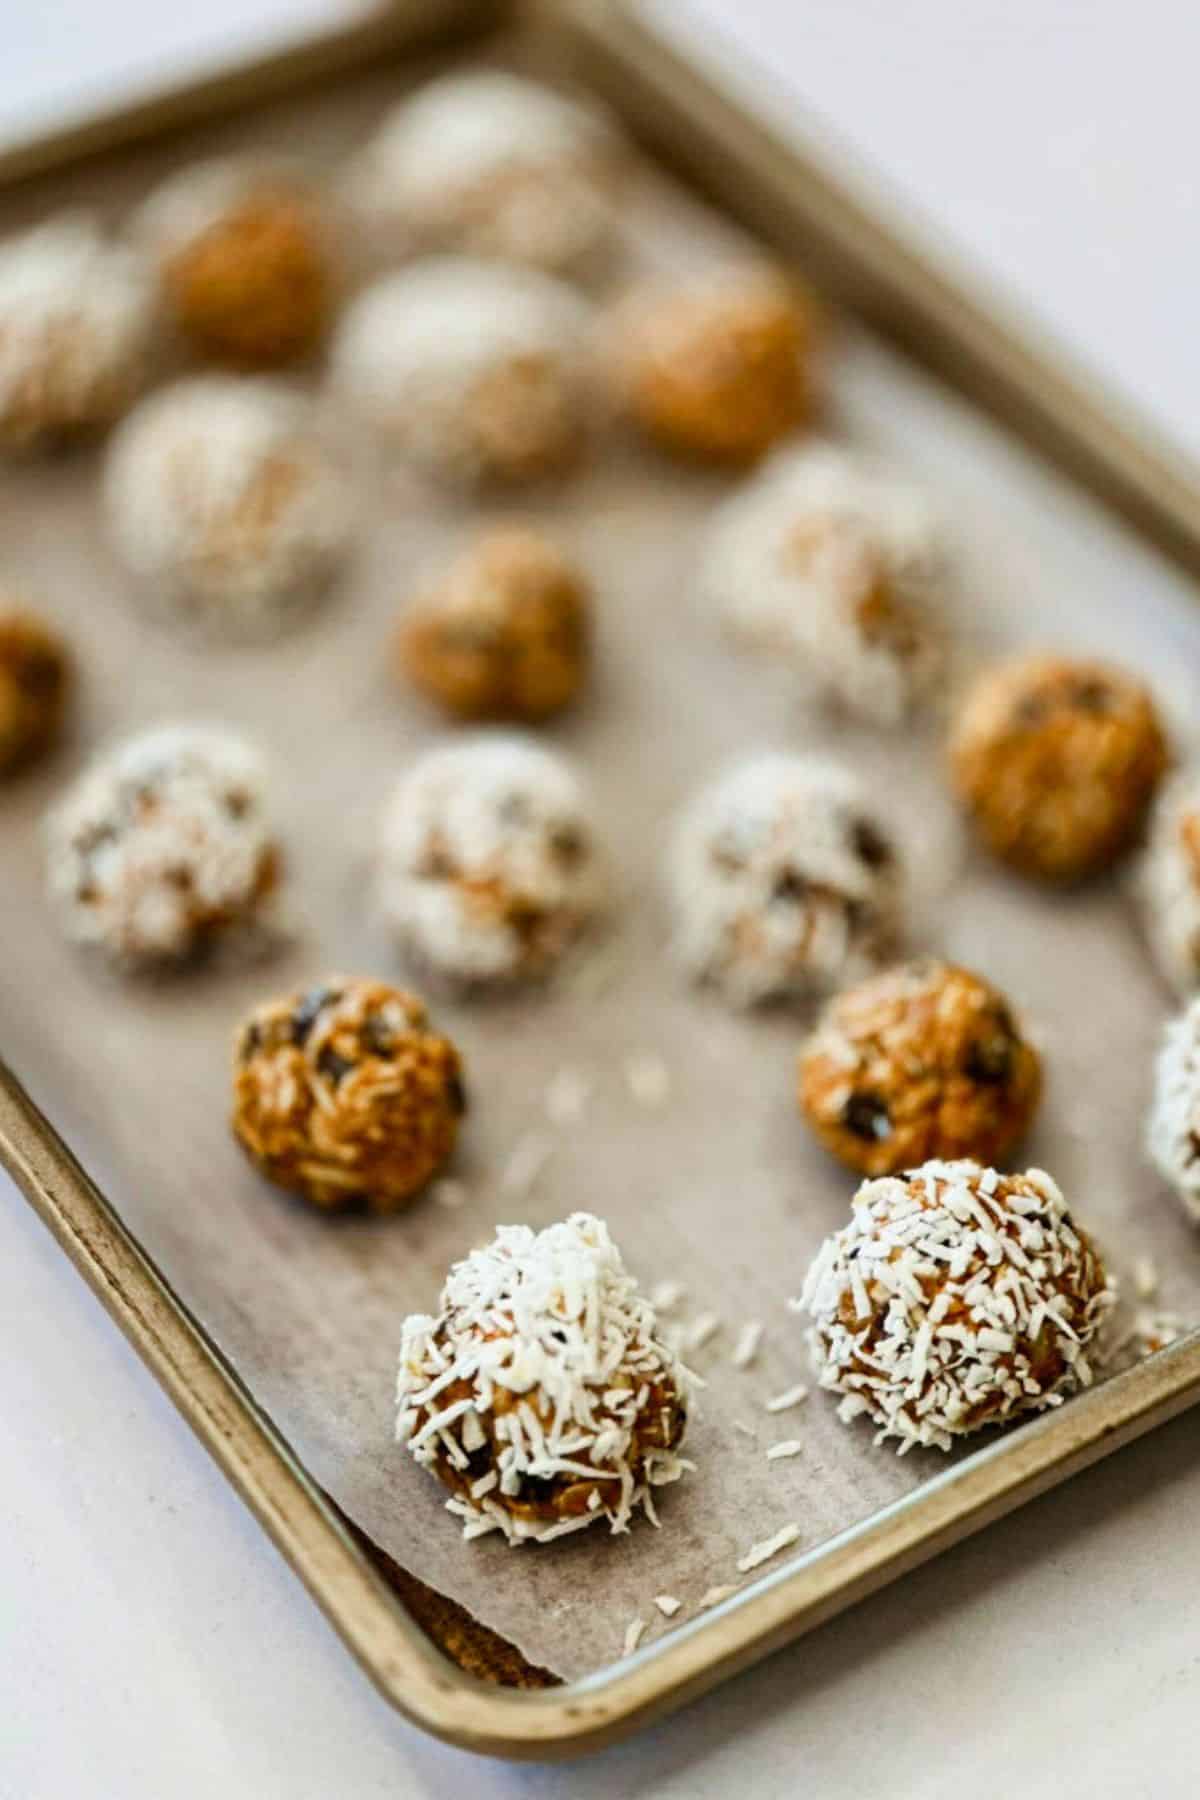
[(254, 288), (717, 371), (347, 1095), (923, 1061), (35, 676), (1055, 761), (504, 635)]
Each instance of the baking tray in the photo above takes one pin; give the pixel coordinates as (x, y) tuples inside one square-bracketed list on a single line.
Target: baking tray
[(783, 194)]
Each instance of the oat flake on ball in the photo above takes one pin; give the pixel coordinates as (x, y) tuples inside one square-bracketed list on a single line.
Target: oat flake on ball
[(834, 569), (476, 371), (488, 868), (162, 848), (77, 319), (783, 880), (954, 1299), (541, 1394), (921, 1061), (228, 502), (492, 165), (346, 1094)]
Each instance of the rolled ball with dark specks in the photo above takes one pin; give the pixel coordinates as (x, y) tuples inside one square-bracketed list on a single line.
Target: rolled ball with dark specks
[(347, 1095), (1056, 761)]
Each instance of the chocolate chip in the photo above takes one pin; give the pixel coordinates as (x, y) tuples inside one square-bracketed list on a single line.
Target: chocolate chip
[(790, 888), (333, 1066), (870, 845), (1092, 695), (378, 1036), (568, 844), (538, 1488), (308, 1009), (237, 803), (990, 1059), (866, 1116), (251, 1041), (456, 1093)]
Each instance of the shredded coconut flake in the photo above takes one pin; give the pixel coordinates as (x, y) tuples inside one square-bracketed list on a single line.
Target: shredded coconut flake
[(634, 1632), (747, 1347), (790, 1397), (713, 1596), (769, 1547), (787, 1447), (667, 1605)]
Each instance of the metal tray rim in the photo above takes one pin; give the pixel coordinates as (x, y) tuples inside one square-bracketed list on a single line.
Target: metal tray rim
[(1149, 485)]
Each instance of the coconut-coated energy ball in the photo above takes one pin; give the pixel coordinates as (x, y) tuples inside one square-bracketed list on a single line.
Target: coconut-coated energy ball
[(488, 866), (230, 503), (162, 847), (541, 1394), (1055, 762), (784, 882), (346, 1094), (77, 321), (504, 634), (922, 1061), (954, 1299), (1167, 884), (245, 261), (716, 367), (829, 567), (477, 372), (1173, 1124), (35, 678), (491, 165)]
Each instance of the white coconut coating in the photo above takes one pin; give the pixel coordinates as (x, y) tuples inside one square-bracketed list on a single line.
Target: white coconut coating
[(162, 846), (783, 880), (186, 206), (77, 321), (1167, 881), (955, 1298), (228, 501), (559, 1357), (1173, 1124), (492, 165), (827, 563), (488, 868), (476, 371)]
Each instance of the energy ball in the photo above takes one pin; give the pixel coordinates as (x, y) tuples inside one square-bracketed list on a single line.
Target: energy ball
[(35, 676), (77, 319), (784, 882), (716, 367), (490, 165), (541, 1394), (347, 1095), (245, 261), (923, 1061), (504, 634), (1167, 883), (488, 869), (162, 848), (955, 1298), (1173, 1126), (1055, 761), (836, 572), (227, 501), (475, 371)]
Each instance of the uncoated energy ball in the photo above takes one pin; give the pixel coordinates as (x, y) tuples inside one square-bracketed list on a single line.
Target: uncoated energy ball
[(1056, 761), (828, 566), (346, 1094), (541, 1395), (76, 327), (478, 372), (245, 261), (162, 848), (229, 502), (955, 1298), (923, 1061), (35, 676), (504, 634), (784, 882), (716, 367), (1168, 881), (488, 868), (494, 166)]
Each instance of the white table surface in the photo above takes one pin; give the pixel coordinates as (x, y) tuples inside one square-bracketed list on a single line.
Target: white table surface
[(152, 1644)]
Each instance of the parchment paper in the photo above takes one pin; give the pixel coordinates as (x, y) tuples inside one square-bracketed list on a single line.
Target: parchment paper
[(721, 1187)]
